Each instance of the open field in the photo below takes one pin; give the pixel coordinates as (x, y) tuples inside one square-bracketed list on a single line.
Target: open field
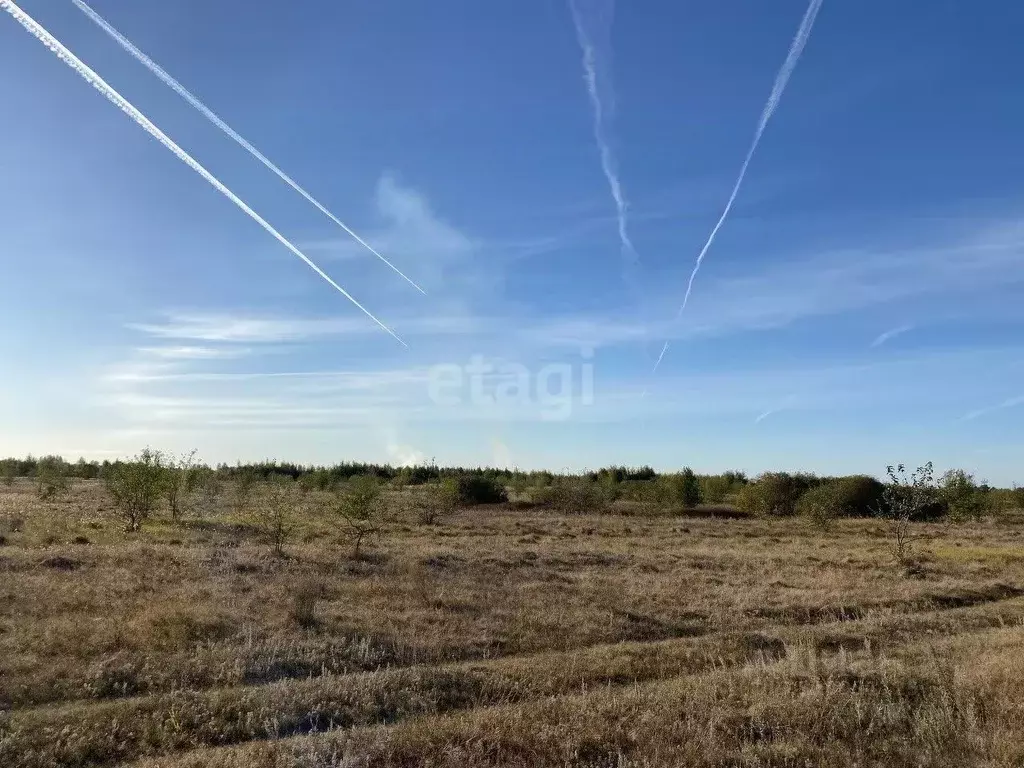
[(503, 636)]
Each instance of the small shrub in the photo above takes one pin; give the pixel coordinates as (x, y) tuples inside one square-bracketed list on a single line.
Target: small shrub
[(906, 499), (576, 495), (51, 477), (773, 494), (180, 482), (714, 488), (1017, 496), (962, 497), (136, 487), (854, 496), (689, 489), (441, 501), (362, 510), (479, 489), (273, 511), (8, 471), (243, 486), (304, 599)]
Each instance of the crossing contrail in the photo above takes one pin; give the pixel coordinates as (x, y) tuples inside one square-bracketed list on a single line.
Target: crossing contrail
[(118, 100), (781, 79), (178, 88), (608, 163)]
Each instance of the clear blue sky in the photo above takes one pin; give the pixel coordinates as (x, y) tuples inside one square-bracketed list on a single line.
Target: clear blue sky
[(861, 306)]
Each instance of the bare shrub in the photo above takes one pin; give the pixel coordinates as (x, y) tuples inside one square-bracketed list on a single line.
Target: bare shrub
[(273, 511), (303, 603), (180, 482)]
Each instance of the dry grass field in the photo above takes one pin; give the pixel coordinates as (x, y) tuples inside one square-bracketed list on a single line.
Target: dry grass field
[(502, 636)]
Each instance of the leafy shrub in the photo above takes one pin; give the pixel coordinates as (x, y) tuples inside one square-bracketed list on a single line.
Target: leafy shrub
[(575, 495), (773, 494), (853, 496), (820, 505), (479, 489), (136, 486), (180, 482), (442, 500), (907, 499), (689, 489), (363, 511), (1018, 497), (962, 497), (714, 488), (51, 477), (8, 471)]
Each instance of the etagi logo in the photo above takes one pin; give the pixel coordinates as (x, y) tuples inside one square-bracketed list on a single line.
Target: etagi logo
[(503, 388)]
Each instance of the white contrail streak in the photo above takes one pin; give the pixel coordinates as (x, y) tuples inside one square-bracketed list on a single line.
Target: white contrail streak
[(608, 164), (781, 79), (178, 88), (103, 87)]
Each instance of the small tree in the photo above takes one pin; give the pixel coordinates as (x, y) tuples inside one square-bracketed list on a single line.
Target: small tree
[(964, 499), (136, 486), (362, 510), (442, 500), (904, 500), (689, 489), (51, 477), (181, 480), (273, 510), (245, 481), (8, 471)]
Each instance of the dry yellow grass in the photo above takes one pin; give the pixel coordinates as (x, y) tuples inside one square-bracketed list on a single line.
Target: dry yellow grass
[(503, 636)]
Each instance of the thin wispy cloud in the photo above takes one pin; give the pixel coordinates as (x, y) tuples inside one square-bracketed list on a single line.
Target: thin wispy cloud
[(193, 353), (1012, 402), (97, 82), (178, 88), (781, 79), (889, 335), (597, 14), (787, 404)]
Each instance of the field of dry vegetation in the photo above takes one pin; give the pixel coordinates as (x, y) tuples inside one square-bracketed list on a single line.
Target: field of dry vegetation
[(502, 635)]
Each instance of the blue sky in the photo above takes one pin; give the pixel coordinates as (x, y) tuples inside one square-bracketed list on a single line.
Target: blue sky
[(861, 305)]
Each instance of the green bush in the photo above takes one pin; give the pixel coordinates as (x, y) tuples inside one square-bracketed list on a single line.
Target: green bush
[(853, 496), (689, 489), (714, 488), (575, 495), (774, 494), (136, 486), (479, 489), (51, 477), (962, 497), (8, 471), (363, 510)]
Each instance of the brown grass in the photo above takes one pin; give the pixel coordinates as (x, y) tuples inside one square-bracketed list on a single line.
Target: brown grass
[(503, 636)]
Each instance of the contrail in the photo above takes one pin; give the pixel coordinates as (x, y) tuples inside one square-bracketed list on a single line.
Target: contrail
[(781, 79), (608, 164), (178, 88), (103, 87)]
